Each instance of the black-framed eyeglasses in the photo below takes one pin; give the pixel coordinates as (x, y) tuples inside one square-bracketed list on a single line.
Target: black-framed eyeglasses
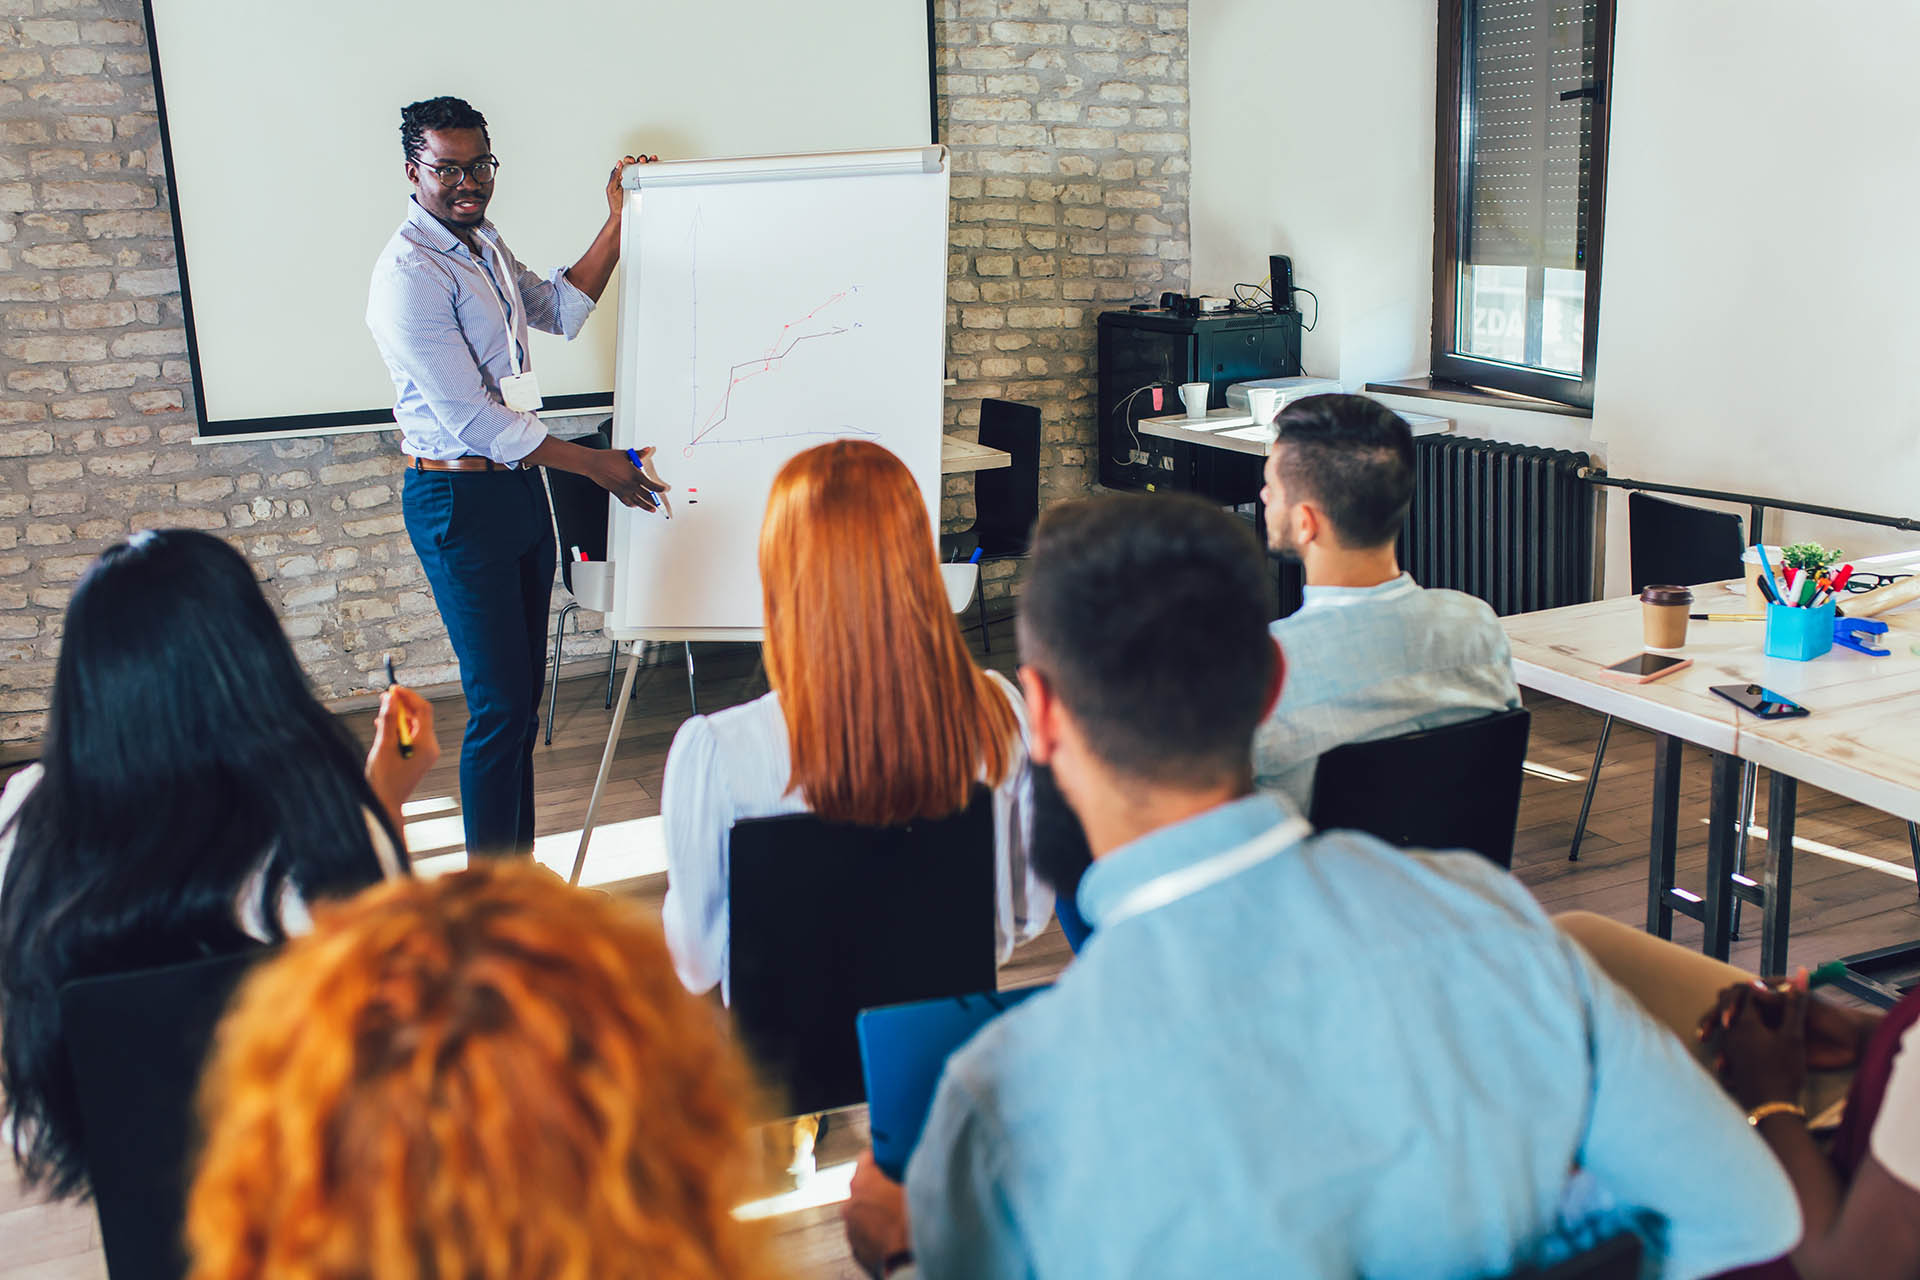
[(481, 171), (1874, 581)]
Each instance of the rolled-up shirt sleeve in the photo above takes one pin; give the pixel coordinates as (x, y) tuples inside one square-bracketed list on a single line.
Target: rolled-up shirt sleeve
[(411, 313), (553, 303)]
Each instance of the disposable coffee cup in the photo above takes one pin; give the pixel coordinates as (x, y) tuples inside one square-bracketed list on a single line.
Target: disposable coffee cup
[(1194, 396), (1663, 616), (1750, 563)]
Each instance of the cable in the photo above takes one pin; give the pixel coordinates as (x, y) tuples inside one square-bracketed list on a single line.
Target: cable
[(1120, 411), (1316, 306)]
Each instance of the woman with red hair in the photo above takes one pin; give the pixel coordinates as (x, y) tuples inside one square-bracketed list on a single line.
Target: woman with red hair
[(878, 715), (487, 1076)]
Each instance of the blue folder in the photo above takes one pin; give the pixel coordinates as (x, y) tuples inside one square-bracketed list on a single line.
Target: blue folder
[(903, 1049)]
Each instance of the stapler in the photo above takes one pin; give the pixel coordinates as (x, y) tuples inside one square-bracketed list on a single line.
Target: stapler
[(1853, 633)]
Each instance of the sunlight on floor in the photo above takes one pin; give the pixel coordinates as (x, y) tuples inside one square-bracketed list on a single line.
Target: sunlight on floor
[(1550, 773), (1848, 856), (830, 1185), (620, 850)]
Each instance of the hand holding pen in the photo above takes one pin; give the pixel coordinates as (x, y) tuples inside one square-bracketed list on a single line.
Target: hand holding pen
[(404, 746)]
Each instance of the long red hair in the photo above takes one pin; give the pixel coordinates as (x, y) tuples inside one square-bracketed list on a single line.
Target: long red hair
[(488, 1076), (888, 718)]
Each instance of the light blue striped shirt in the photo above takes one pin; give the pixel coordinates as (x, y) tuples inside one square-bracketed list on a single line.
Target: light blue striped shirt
[(1336, 1059), (1372, 662), (438, 314)]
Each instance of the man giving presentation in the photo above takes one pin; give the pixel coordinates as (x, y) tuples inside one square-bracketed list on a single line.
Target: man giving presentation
[(450, 307)]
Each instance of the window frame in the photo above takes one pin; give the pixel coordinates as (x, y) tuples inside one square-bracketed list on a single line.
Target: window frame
[(1448, 362)]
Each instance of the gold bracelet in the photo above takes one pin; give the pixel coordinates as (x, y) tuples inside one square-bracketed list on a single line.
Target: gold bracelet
[(1766, 1109)]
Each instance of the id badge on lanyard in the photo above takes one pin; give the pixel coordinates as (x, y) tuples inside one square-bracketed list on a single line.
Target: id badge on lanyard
[(520, 390)]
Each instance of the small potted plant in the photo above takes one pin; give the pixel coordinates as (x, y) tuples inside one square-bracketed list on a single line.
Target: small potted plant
[(1808, 557)]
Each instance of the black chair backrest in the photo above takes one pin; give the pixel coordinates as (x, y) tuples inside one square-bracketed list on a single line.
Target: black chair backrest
[(1673, 543), (136, 1043), (580, 507), (1451, 788), (1006, 500), (828, 919), (1614, 1259)]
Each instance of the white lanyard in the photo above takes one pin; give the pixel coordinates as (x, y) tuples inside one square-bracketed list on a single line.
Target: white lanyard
[(509, 309), (1189, 880), (1399, 587)]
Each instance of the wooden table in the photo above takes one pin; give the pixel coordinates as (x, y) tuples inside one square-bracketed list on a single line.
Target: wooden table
[(1862, 739), (958, 454)]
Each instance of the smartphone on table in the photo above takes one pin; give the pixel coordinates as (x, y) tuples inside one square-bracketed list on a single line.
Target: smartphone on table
[(1764, 703), (1642, 667)]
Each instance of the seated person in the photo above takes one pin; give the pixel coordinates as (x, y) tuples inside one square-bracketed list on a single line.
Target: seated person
[(1359, 1061), (1860, 1195), (192, 797), (878, 714), (488, 1076), (1374, 653)]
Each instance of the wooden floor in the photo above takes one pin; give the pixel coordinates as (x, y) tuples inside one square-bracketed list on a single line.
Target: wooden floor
[(1853, 886)]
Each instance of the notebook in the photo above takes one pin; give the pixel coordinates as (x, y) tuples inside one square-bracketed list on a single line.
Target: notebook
[(903, 1049)]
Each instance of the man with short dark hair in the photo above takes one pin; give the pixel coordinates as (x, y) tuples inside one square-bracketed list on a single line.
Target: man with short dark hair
[(1372, 653), (1281, 1053), (449, 308)]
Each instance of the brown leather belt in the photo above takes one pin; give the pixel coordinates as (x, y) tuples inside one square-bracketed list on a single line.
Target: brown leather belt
[(471, 462)]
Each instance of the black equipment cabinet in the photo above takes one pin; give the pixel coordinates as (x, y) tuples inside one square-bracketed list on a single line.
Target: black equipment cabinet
[(1141, 349)]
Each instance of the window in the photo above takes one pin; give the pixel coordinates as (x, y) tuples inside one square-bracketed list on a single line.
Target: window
[(1519, 185)]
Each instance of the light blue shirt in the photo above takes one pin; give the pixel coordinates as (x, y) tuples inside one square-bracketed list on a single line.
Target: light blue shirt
[(1372, 662), (1340, 1061), (439, 315)]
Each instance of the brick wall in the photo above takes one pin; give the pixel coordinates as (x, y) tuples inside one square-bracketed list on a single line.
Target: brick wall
[(1068, 125)]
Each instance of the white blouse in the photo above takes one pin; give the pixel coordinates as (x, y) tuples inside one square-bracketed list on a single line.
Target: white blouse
[(292, 909), (733, 765)]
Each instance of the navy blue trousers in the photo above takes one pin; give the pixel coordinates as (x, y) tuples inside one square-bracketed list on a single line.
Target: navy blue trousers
[(485, 539)]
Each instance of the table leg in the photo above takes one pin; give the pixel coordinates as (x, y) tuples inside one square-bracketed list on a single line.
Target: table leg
[(1723, 808), (1777, 884), (606, 763), (1665, 832)]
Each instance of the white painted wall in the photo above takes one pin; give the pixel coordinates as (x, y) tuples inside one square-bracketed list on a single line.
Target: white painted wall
[(1760, 309), (1312, 133), (1761, 301)]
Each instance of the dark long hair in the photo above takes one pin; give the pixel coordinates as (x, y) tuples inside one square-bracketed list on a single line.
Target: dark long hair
[(184, 754)]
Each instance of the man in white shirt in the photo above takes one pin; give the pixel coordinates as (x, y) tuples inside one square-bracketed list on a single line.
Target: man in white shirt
[(1370, 653)]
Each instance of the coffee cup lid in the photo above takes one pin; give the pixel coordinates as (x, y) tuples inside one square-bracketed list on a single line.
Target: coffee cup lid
[(1666, 595)]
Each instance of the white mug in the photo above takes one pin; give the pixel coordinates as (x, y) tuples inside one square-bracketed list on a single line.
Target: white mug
[(1264, 404), (1194, 396)]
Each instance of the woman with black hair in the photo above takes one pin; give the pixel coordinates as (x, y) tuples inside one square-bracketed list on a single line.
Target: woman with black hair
[(191, 798)]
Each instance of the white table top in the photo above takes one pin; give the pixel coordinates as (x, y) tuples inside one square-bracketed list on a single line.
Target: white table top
[(959, 454), (1234, 430), (1861, 740)]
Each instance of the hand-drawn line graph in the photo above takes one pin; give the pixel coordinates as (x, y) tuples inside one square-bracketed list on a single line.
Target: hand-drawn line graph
[(768, 361)]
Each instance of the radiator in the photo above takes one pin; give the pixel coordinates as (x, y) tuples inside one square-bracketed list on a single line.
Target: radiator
[(1511, 524)]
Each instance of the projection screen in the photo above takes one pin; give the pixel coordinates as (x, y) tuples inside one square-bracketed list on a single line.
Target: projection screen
[(281, 129)]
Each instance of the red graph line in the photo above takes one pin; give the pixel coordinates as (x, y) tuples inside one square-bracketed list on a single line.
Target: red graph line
[(764, 364)]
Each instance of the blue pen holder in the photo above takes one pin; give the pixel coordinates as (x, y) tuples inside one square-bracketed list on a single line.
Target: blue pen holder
[(1799, 634)]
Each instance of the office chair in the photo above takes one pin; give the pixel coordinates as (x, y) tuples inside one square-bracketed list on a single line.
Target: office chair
[(1670, 542), (136, 1043), (1006, 500), (1452, 788), (579, 520), (1617, 1258), (829, 918)]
